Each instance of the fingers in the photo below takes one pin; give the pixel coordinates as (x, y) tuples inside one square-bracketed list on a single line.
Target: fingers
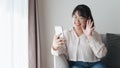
[(82, 28), (89, 23), (57, 36), (61, 42), (58, 40), (92, 28)]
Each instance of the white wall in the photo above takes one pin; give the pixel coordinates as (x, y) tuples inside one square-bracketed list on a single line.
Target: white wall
[(58, 12)]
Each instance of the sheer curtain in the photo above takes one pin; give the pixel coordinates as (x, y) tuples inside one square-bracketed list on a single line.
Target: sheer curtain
[(34, 35), (13, 33)]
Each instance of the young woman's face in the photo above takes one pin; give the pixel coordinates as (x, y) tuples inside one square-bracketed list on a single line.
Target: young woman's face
[(79, 21)]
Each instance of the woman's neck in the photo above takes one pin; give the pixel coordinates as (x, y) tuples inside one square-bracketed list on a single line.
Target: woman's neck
[(78, 31)]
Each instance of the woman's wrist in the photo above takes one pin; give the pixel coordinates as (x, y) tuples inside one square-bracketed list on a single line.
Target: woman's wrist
[(88, 35), (55, 47)]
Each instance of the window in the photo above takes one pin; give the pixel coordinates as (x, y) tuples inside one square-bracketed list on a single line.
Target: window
[(13, 33)]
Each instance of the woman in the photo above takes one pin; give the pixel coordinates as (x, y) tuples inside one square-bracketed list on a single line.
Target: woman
[(82, 44)]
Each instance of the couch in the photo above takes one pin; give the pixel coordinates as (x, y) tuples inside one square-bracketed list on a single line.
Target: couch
[(112, 59)]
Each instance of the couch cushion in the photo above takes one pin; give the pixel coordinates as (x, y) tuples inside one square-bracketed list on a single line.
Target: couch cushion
[(112, 58), (103, 38)]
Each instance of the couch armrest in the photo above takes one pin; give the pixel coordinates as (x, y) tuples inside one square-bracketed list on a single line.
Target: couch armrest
[(60, 62)]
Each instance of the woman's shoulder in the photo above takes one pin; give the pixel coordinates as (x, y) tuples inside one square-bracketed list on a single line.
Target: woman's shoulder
[(67, 31), (95, 34)]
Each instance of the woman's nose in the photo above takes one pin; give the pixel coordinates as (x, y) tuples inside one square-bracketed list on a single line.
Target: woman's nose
[(78, 20)]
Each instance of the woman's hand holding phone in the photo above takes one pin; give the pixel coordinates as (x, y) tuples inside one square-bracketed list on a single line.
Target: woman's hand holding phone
[(58, 39)]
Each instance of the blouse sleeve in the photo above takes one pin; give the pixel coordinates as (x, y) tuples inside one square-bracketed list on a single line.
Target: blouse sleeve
[(97, 45), (59, 51)]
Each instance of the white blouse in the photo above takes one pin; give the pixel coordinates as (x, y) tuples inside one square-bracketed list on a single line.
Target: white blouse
[(81, 48)]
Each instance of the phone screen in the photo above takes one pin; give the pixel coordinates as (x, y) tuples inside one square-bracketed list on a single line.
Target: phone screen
[(59, 30)]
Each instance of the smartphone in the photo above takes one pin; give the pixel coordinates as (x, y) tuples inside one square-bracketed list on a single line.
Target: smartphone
[(59, 30)]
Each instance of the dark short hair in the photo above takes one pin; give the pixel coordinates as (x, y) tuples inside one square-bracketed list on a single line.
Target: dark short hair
[(83, 11)]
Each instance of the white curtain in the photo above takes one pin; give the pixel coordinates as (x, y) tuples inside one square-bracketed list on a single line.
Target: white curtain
[(13, 33)]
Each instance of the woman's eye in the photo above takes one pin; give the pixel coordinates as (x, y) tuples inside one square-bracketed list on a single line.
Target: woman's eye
[(75, 17), (82, 18)]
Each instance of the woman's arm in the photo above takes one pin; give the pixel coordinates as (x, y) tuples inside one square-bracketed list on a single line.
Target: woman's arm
[(97, 45), (58, 51), (57, 48)]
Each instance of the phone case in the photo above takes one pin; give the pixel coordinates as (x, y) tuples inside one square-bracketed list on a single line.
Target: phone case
[(59, 30)]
